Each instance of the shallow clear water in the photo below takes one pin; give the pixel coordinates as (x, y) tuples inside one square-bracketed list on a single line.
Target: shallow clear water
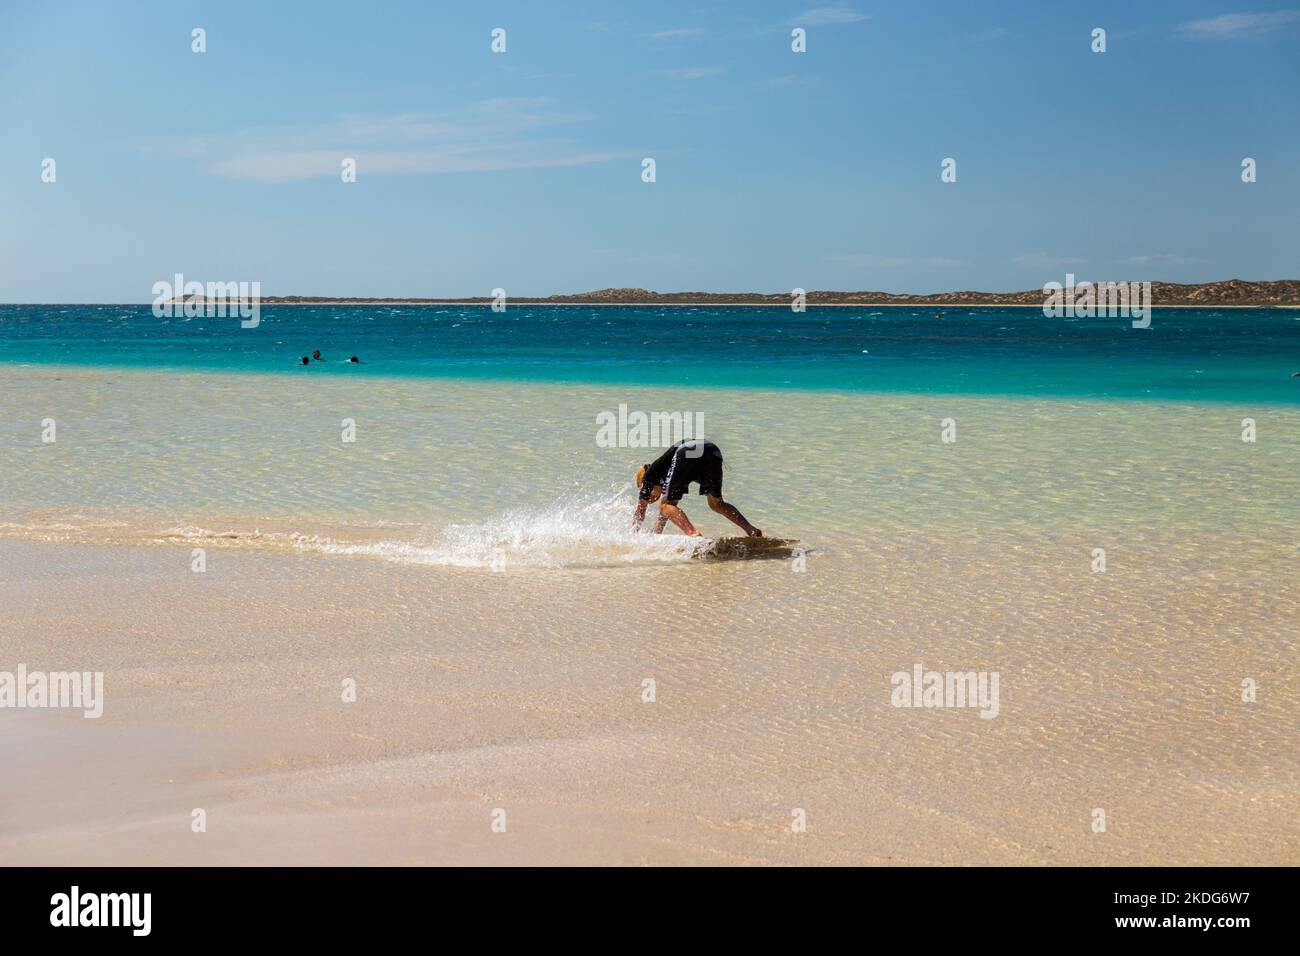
[(477, 435), (454, 472)]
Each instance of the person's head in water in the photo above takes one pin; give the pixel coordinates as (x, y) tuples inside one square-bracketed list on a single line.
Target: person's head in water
[(316, 355), (354, 360), (306, 360)]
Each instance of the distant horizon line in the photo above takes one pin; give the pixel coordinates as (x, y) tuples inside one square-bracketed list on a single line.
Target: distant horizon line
[(1221, 293)]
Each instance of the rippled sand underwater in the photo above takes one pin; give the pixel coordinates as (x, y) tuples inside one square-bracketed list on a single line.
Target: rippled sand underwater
[(1120, 689), (165, 451)]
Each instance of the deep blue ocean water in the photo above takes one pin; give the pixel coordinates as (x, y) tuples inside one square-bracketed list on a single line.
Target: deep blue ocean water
[(1244, 355)]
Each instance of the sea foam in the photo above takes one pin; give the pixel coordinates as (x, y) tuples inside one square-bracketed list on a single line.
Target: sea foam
[(580, 531)]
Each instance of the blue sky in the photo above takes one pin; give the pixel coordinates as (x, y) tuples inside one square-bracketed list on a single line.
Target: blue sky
[(523, 170)]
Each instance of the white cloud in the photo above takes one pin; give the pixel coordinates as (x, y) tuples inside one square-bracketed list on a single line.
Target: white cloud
[(1043, 260), (789, 79), (491, 135), (867, 261), (673, 34), (1231, 25), (827, 17), (289, 167), (693, 72), (1163, 258)]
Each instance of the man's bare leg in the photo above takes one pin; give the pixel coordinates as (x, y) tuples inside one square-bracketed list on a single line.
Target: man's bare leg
[(678, 517), (732, 514)]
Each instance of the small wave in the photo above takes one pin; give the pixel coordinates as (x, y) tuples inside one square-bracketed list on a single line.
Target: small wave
[(591, 531), (570, 533), (194, 534)]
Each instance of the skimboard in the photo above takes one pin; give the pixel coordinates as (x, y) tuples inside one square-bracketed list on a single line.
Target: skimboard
[(743, 548)]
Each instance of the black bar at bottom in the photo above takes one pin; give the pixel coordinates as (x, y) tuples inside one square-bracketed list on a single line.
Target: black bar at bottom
[(1222, 906)]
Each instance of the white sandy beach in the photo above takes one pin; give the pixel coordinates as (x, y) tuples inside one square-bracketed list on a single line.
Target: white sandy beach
[(522, 689)]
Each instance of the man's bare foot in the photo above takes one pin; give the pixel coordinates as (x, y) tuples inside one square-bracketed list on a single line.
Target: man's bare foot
[(755, 532)]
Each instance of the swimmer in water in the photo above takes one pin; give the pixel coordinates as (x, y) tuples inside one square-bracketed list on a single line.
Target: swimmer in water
[(316, 356), (306, 360), (669, 476)]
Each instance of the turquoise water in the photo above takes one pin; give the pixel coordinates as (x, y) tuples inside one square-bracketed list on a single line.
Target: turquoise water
[(1244, 355)]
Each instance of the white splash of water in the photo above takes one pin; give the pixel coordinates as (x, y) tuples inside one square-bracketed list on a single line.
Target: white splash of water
[(592, 531)]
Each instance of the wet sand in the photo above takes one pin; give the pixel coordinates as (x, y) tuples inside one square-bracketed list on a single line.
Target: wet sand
[(475, 692), (521, 689)]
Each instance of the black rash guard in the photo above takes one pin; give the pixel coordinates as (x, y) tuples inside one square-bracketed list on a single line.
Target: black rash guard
[(684, 462)]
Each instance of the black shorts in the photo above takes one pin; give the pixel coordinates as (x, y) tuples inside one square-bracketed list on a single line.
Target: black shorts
[(682, 464)]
